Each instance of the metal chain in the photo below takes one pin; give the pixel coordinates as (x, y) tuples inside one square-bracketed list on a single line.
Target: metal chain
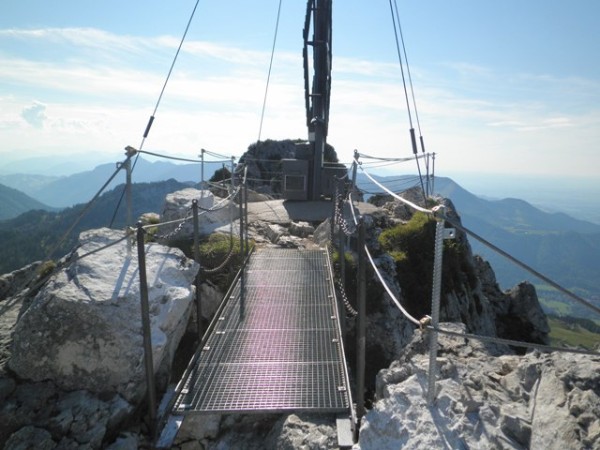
[(220, 266), (349, 309), (221, 205), (339, 217), (175, 232), (340, 287)]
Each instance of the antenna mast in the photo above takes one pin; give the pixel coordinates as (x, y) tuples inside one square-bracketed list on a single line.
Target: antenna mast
[(318, 94)]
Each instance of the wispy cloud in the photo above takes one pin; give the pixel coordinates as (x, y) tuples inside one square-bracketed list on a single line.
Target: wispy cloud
[(100, 86)]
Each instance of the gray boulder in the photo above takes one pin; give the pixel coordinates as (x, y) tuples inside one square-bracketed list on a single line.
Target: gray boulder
[(83, 329)]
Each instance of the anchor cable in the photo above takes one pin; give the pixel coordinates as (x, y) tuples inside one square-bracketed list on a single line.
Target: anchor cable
[(264, 106)]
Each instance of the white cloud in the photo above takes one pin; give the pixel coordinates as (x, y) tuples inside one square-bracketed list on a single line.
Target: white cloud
[(101, 89), (35, 114)]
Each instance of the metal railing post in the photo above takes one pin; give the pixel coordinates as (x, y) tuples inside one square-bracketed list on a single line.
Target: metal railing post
[(129, 151), (247, 247), (128, 191), (354, 168), (241, 204), (435, 309), (232, 173), (202, 169), (197, 281), (361, 322), (342, 246), (146, 331)]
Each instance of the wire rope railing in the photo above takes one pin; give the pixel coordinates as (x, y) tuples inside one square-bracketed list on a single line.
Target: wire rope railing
[(439, 213), (430, 323)]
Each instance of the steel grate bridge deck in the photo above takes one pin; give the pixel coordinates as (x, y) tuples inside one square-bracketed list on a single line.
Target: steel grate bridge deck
[(276, 344)]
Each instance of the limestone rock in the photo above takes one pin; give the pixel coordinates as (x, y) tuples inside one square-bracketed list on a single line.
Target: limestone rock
[(322, 233), (517, 313), (263, 162), (30, 437), (211, 298), (525, 309), (274, 232), (304, 431), (83, 330), (126, 441), (75, 419), (301, 229), (178, 205), (518, 402), (12, 283), (197, 428)]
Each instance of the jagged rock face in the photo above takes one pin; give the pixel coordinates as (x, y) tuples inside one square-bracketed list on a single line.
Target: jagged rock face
[(549, 401), (40, 415), (178, 205), (518, 314), (474, 297), (12, 283), (258, 432), (83, 329)]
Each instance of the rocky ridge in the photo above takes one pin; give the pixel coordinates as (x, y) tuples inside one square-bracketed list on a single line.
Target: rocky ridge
[(488, 397)]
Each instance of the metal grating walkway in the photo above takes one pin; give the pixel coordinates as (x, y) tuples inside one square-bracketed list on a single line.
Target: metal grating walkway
[(276, 347)]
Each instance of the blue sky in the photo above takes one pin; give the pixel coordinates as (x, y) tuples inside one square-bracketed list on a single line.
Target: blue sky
[(501, 87)]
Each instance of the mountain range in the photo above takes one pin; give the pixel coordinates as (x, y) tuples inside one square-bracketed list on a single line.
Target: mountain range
[(14, 203), (559, 246), (66, 191), (38, 234)]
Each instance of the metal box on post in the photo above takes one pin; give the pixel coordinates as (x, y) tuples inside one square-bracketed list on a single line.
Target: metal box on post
[(295, 179), (330, 173)]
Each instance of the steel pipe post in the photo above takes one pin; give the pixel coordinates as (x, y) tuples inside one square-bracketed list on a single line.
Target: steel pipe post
[(435, 309), (146, 331), (197, 259), (361, 323)]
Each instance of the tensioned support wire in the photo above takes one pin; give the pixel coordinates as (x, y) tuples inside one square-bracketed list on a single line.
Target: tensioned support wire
[(264, 106), (424, 323)]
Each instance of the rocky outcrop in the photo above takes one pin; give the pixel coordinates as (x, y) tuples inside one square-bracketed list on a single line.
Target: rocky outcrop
[(263, 162), (549, 401), (517, 313), (472, 295), (40, 415), (178, 205), (258, 432), (13, 283), (83, 329)]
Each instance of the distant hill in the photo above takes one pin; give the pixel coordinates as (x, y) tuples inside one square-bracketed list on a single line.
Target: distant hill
[(14, 203), (510, 214), (557, 245), (61, 192), (30, 236), (565, 249)]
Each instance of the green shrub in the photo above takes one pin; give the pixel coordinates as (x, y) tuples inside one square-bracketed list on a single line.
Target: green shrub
[(412, 247), (45, 269), (214, 251)]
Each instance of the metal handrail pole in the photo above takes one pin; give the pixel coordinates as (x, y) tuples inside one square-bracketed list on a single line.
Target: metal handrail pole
[(197, 259), (435, 309), (146, 331), (361, 322)]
